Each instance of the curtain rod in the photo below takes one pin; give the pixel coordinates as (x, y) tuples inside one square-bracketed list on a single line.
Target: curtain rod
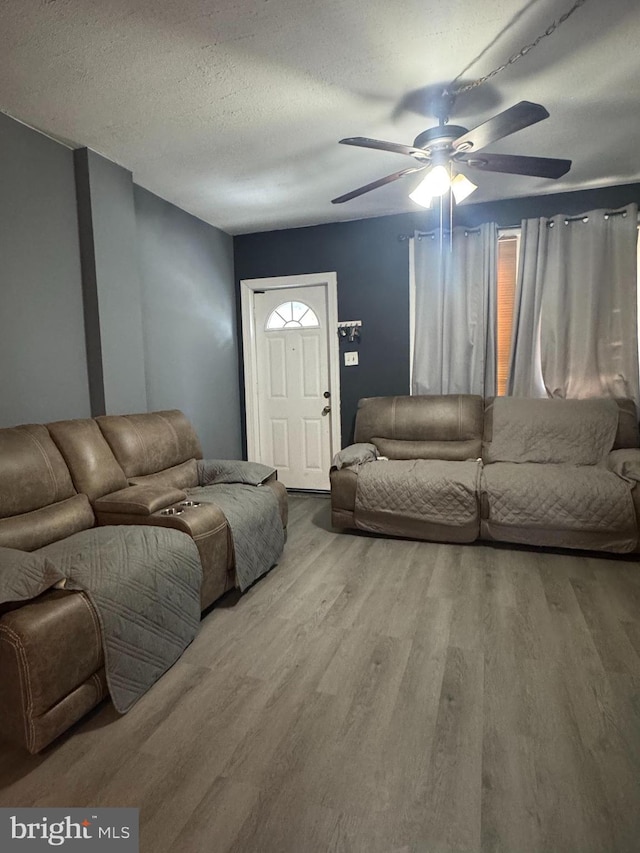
[(422, 234), (568, 219), (584, 218)]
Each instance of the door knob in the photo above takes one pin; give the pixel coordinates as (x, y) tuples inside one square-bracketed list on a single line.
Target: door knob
[(326, 410)]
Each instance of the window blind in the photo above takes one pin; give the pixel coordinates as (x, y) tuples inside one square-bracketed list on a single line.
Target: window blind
[(507, 272)]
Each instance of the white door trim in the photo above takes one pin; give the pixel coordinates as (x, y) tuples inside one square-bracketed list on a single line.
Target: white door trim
[(247, 288)]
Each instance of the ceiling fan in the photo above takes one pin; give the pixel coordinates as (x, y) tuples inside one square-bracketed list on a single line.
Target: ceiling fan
[(442, 149)]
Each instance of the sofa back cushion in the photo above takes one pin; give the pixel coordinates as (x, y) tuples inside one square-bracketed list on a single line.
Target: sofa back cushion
[(627, 433), (38, 503), (147, 443), (573, 432), (33, 474), (445, 427), (93, 467)]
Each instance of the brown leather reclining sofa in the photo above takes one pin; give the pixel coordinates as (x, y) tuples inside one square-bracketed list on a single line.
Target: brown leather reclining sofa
[(70, 476), (473, 489)]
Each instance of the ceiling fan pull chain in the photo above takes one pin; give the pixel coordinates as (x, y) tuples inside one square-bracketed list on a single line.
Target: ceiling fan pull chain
[(516, 56)]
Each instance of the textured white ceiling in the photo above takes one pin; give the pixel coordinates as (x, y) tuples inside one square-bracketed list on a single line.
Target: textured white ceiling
[(233, 110)]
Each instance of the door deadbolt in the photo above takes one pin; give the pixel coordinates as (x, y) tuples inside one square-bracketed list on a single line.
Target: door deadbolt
[(326, 395)]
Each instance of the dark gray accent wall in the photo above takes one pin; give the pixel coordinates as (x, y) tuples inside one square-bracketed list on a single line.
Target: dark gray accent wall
[(43, 370), (111, 281), (189, 321), (371, 258), (372, 267)]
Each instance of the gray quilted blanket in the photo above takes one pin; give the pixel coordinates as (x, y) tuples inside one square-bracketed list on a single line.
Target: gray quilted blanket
[(562, 497), (256, 527), (429, 490), (144, 584)]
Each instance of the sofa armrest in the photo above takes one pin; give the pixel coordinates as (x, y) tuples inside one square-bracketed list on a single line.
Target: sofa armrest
[(51, 663), (23, 576), (139, 500), (625, 463), (214, 471)]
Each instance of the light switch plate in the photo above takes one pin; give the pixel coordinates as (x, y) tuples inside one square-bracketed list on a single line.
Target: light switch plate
[(350, 358)]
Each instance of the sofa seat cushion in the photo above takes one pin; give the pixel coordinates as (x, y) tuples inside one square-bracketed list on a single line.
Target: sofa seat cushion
[(254, 517), (207, 495), (559, 497), (280, 492), (421, 498)]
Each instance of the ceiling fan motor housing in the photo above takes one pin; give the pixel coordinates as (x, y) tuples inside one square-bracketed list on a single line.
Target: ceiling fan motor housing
[(439, 138)]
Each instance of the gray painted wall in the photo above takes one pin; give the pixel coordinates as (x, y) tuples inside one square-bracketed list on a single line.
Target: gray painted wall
[(111, 278), (189, 321), (43, 368)]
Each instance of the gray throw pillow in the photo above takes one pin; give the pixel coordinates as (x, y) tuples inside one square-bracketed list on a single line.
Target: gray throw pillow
[(625, 463), (355, 454)]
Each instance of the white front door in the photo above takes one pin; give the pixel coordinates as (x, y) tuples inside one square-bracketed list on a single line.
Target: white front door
[(294, 394)]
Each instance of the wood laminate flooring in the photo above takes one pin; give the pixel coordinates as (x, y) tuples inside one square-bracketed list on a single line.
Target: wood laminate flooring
[(380, 695)]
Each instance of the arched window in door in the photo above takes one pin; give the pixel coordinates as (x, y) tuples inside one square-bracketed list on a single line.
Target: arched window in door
[(292, 315)]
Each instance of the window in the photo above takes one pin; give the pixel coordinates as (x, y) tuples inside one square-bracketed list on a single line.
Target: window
[(292, 315), (508, 245)]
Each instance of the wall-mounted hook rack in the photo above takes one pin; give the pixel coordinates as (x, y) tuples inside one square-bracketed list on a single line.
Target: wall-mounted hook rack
[(350, 329)]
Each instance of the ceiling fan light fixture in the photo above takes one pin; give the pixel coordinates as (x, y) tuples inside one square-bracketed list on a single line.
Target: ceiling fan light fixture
[(438, 180), (436, 183), (462, 187), (421, 196)]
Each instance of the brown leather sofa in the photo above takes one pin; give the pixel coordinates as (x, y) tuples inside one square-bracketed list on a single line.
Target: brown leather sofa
[(70, 476), (470, 491)]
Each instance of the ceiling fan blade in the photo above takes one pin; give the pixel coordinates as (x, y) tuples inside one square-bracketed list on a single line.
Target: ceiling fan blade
[(504, 124), (375, 184), (380, 145), (514, 164)]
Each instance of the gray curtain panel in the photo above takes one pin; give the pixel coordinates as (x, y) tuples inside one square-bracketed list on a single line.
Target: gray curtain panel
[(575, 324), (454, 348), (525, 375)]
